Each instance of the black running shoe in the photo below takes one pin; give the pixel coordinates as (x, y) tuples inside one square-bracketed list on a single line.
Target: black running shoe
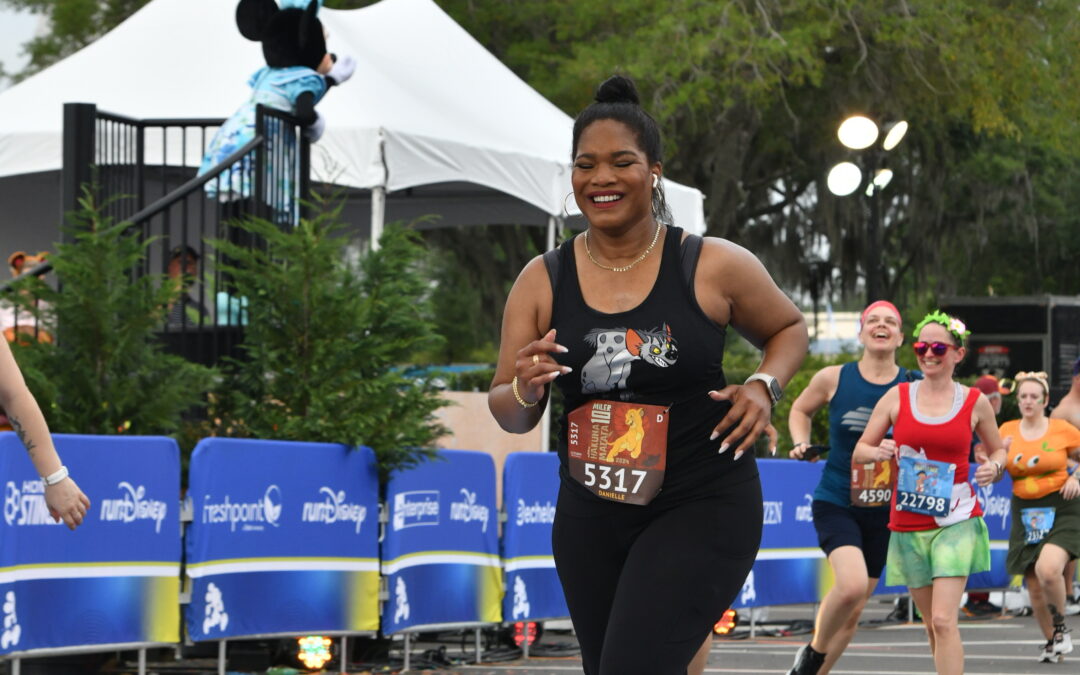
[(807, 661)]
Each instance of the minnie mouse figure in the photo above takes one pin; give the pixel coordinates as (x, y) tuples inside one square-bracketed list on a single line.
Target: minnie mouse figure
[(298, 73)]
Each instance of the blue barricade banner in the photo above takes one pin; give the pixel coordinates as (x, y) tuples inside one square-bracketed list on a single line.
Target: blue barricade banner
[(441, 550), (530, 490), (790, 568), (114, 580), (284, 539)]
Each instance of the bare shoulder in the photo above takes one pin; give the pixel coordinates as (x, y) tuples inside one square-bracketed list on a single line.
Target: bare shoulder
[(721, 255)]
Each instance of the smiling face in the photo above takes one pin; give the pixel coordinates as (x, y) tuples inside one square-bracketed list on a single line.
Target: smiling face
[(612, 176), (1031, 399), (933, 365), (880, 330)]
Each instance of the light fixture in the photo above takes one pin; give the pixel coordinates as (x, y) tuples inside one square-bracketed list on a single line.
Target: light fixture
[(882, 178), (520, 633), (314, 651), (843, 179), (894, 133), (858, 132)]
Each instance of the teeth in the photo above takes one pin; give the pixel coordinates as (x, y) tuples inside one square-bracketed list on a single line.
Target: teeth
[(607, 198)]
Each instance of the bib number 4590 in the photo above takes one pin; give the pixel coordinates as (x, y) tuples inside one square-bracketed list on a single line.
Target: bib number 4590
[(605, 477)]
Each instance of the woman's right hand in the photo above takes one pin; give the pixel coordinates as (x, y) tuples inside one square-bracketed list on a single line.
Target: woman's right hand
[(67, 502), (535, 369), (799, 451), (886, 450)]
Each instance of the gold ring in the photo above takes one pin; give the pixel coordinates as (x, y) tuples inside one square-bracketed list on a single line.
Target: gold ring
[(536, 359)]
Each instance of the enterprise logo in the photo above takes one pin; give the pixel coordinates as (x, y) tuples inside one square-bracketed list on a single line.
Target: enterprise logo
[(416, 508)]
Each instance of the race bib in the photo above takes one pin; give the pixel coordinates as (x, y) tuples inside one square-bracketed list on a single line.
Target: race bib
[(925, 486), (618, 450), (871, 484), (1037, 523)]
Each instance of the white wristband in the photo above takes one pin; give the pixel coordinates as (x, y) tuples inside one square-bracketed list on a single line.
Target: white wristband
[(53, 479)]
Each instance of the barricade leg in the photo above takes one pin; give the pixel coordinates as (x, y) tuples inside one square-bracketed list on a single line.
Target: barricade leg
[(221, 658), (479, 654), (407, 645), (142, 661), (910, 609), (525, 641), (344, 655), (753, 624), (16, 667)]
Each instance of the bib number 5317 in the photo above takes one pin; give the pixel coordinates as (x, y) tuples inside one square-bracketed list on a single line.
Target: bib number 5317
[(606, 477)]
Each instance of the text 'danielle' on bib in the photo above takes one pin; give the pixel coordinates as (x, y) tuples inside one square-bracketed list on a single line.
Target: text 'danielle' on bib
[(618, 450)]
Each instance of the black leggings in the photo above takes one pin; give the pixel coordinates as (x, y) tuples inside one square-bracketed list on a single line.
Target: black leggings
[(645, 585)]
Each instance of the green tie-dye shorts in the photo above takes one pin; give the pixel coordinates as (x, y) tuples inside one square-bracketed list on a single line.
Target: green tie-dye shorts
[(917, 558)]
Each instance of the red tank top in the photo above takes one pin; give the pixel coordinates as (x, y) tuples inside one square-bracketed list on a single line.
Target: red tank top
[(941, 441)]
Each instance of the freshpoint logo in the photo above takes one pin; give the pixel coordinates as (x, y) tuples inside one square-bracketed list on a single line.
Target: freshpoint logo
[(416, 508), (250, 516), (25, 505)]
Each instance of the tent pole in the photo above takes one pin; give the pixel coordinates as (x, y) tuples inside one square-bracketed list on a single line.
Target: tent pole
[(552, 228), (378, 215)]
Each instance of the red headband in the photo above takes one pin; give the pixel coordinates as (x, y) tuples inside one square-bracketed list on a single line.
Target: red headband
[(880, 303)]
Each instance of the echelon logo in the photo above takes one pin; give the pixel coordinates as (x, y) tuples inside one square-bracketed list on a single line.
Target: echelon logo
[(467, 510), (334, 509), (416, 508), (133, 505), (250, 516), (774, 512), (535, 513), (25, 505)]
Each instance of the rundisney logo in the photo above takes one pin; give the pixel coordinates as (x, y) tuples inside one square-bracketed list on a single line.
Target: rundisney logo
[(133, 506), (334, 509), (805, 513), (251, 516), (992, 506), (468, 510), (26, 506), (535, 514), (415, 508)]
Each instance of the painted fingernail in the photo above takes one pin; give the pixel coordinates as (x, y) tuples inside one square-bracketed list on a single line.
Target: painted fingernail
[(710, 392), (723, 448), (566, 370), (738, 454), (561, 349), (713, 436), (772, 451)]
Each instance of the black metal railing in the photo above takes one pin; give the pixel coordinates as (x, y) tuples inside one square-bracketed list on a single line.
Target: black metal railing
[(146, 172)]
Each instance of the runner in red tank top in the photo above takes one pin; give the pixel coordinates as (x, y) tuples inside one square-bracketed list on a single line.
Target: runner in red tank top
[(939, 537)]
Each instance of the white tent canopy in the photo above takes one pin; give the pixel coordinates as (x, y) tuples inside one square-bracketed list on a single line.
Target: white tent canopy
[(428, 104)]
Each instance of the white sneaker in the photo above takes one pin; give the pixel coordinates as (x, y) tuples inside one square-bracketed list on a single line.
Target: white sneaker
[(1062, 644), (1047, 655)]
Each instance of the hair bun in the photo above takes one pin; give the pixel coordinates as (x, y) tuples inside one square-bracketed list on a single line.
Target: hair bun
[(617, 89)]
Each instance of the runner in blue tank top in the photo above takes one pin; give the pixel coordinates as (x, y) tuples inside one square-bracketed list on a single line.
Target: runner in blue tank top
[(854, 536)]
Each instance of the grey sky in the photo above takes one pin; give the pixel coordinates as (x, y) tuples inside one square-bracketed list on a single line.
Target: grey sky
[(16, 28)]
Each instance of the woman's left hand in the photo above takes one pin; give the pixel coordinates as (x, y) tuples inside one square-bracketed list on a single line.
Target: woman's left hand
[(751, 410), (1071, 488)]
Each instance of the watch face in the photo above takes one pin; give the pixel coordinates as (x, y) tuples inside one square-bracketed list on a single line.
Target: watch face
[(775, 390)]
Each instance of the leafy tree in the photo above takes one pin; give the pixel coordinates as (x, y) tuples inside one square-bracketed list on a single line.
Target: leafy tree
[(106, 373), (325, 340)]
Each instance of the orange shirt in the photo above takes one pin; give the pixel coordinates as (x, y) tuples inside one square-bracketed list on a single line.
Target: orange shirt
[(1039, 467)]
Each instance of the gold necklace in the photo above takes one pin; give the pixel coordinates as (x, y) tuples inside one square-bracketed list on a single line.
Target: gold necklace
[(624, 268)]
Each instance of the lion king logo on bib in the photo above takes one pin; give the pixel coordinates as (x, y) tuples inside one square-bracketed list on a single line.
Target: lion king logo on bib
[(618, 450)]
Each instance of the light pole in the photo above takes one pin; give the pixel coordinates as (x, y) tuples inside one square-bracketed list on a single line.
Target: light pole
[(858, 133)]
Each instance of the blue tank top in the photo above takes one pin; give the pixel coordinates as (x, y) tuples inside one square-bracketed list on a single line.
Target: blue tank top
[(849, 411)]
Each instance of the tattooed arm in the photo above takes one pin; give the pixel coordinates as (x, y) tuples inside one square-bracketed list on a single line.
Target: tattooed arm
[(65, 500)]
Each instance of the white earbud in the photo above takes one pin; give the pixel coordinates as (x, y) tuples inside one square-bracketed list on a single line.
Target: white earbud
[(655, 180)]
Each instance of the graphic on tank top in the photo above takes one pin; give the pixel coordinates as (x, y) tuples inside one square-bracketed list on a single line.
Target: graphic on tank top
[(617, 349), (855, 419)]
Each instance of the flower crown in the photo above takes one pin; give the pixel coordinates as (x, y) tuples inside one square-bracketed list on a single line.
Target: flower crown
[(1042, 378), (951, 324)]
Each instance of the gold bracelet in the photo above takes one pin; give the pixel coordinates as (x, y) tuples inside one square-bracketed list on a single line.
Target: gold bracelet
[(517, 395)]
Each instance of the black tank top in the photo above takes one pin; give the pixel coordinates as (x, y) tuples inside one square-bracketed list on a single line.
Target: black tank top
[(676, 358)]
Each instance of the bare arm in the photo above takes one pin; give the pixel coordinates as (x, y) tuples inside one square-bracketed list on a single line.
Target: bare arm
[(733, 287), (812, 399), (65, 500), (525, 334), (992, 463), (870, 447)]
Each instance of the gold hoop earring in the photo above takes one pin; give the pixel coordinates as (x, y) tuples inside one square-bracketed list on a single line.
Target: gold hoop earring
[(566, 212)]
